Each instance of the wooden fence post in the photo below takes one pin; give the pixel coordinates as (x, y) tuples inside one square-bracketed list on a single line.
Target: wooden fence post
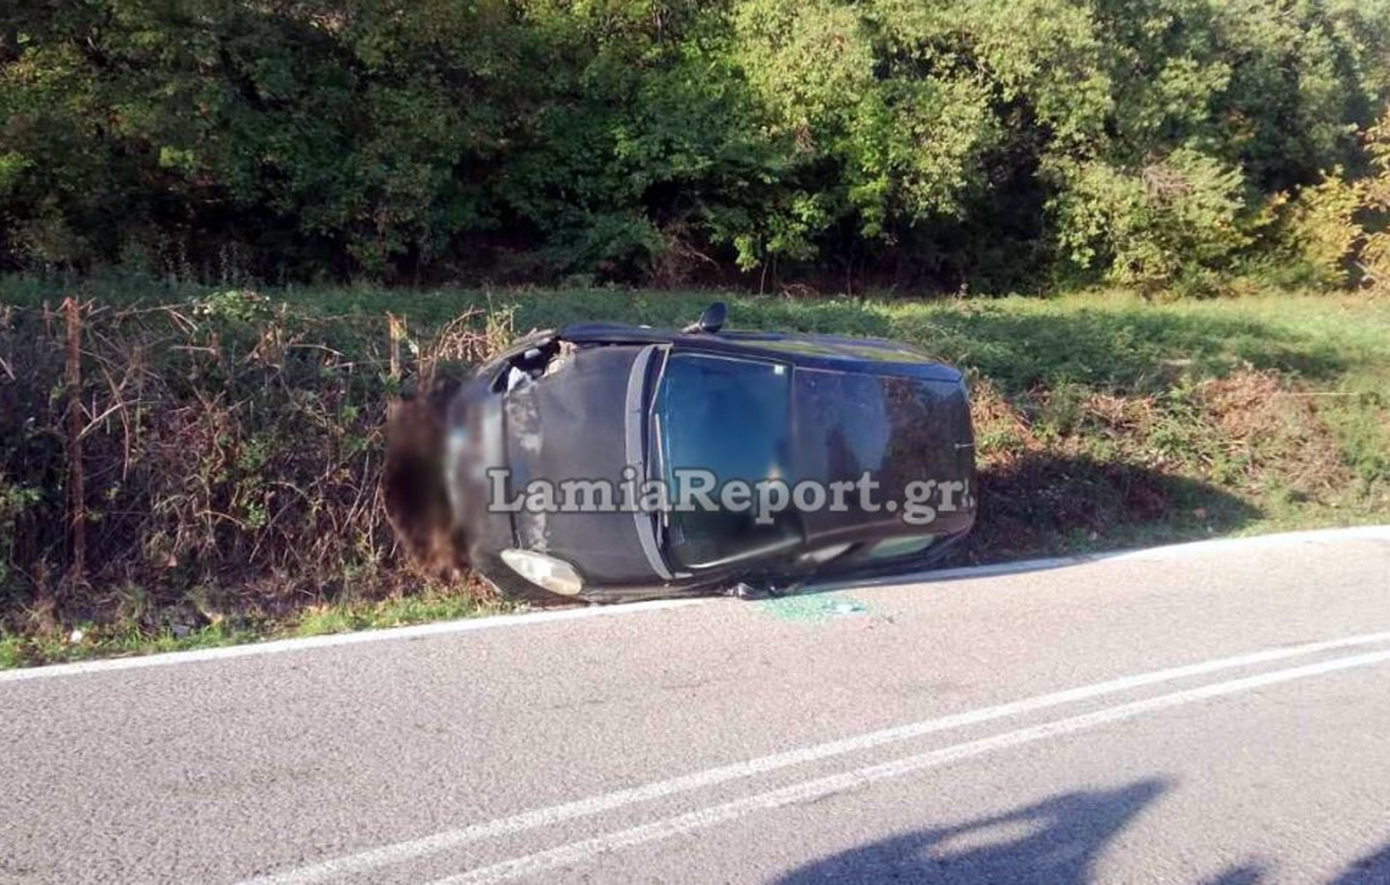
[(395, 331), (77, 498)]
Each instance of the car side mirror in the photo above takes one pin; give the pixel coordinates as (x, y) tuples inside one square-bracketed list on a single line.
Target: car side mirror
[(711, 320)]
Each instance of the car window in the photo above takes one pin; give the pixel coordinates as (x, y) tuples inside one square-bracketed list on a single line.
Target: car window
[(731, 417)]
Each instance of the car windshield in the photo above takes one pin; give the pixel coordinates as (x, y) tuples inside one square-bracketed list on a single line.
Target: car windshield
[(729, 417)]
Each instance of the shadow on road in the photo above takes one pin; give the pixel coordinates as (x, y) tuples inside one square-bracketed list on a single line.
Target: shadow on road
[(1054, 842), (1373, 869)]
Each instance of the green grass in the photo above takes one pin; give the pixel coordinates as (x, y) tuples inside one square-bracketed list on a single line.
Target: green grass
[(394, 612), (12, 653), (124, 637), (1112, 340), (1105, 421)]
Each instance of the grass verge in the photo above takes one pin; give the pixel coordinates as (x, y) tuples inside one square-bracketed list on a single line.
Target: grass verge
[(1102, 420), (118, 637)]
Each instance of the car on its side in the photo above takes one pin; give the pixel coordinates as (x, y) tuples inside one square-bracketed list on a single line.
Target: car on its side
[(603, 407)]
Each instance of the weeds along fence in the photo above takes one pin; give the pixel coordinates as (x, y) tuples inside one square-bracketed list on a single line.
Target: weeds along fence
[(227, 447)]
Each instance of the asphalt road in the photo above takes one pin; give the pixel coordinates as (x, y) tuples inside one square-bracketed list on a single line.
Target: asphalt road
[(1218, 715)]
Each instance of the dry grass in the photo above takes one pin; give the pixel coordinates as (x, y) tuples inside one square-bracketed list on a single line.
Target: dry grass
[(1273, 431), (1063, 462), (231, 453)]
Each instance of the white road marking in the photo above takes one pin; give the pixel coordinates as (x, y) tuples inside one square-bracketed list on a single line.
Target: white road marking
[(579, 852), (417, 631), (449, 839), (1167, 552), (441, 628), (1255, 542)]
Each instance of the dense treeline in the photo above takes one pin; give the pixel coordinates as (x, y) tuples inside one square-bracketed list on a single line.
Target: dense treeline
[(980, 143)]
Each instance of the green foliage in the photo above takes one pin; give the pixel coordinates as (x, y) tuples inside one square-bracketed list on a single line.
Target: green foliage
[(1177, 219), (1374, 258), (15, 500), (983, 142), (1317, 233)]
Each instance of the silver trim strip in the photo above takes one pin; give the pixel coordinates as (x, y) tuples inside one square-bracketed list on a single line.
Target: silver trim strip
[(633, 421)]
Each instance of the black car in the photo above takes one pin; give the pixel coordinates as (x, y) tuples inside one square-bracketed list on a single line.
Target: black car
[(582, 463)]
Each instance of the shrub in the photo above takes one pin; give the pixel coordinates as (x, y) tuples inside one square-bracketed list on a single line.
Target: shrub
[(1315, 235), (1177, 220), (403, 141), (227, 442), (1374, 258)]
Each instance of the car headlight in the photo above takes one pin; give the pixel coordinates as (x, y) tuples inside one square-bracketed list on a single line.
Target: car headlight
[(553, 574)]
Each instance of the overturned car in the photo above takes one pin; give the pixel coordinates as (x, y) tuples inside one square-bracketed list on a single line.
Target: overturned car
[(607, 462)]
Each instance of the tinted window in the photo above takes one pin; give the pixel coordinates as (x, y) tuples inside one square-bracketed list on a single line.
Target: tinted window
[(732, 418)]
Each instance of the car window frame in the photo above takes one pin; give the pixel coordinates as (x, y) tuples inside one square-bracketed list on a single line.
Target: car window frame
[(656, 460)]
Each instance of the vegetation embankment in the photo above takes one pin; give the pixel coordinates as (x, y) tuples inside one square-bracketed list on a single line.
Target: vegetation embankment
[(980, 145), (231, 443)]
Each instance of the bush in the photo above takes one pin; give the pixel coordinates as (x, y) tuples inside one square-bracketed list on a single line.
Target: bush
[(1374, 257), (1314, 235), (226, 445), (895, 140), (1175, 220)]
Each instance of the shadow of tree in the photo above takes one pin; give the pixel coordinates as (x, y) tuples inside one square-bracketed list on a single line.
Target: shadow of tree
[(1373, 869), (1055, 842), (1050, 503)]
